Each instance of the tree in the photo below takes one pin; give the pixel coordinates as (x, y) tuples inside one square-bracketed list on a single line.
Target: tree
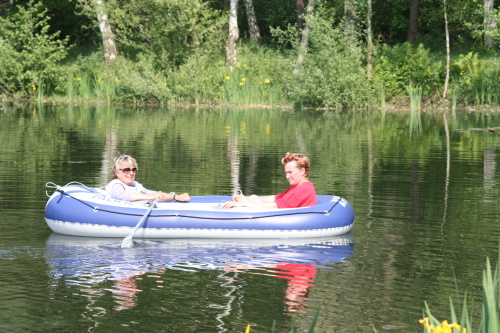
[(447, 79), (413, 24), (108, 41), (252, 21), (350, 21), (305, 35), (369, 39), (299, 7), (489, 23), (234, 33)]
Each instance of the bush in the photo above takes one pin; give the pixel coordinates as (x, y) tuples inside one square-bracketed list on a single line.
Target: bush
[(398, 66), (29, 53), (333, 72), (475, 80)]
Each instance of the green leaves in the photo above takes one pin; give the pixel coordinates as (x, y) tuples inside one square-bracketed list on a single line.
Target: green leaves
[(31, 52)]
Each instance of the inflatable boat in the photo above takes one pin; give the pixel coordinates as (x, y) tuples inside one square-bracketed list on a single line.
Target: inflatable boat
[(78, 210)]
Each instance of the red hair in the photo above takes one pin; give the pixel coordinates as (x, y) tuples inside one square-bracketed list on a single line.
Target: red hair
[(302, 161)]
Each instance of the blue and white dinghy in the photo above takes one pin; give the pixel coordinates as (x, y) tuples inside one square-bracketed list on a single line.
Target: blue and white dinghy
[(78, 210)]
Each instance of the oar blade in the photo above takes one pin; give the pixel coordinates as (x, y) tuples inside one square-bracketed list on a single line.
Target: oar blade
[(127, 242)]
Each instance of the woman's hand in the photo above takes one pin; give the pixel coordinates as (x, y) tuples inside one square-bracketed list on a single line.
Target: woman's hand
[(230, 204), (182, 197)]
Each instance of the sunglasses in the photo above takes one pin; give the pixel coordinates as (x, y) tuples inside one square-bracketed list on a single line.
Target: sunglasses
[(128, 170)]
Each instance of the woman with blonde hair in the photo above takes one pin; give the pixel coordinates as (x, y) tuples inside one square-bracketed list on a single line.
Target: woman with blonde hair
[(124, 187)]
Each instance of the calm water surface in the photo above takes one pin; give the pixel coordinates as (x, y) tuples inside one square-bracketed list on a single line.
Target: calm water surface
[(424, 188)]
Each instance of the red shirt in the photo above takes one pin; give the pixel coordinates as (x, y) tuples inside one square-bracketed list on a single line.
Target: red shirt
[(297, 273), (303, 195)]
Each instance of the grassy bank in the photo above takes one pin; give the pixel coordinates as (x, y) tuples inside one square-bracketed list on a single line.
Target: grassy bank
[(404, 76)]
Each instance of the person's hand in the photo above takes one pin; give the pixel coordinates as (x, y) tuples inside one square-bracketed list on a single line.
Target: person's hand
[(230, 204), (182, 197), (160, 196), (242, 198)]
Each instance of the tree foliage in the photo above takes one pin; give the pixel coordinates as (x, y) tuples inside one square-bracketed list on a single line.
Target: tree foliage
[(171, 30), (166, 42), (29, 52)]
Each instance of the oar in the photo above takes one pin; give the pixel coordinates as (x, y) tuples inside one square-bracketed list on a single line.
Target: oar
[(127, 241)]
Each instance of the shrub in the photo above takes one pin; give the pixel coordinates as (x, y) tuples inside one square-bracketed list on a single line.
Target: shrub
[(333, 71), (475, 80), (29, 53), (398, 66)]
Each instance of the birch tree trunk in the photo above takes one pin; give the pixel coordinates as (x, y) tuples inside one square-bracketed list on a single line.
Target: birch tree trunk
[(489, 22), (108, 41), (299, 7), (234, 33), (369, 39), (413, 25), (350, 21), (447, 79), (305, 37), (252, 21)]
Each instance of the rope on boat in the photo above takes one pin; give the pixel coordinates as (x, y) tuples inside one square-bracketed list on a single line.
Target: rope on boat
[(58, 188), (96, 208)]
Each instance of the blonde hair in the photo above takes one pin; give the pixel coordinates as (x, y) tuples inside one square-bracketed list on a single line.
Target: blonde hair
[(302, 161), (123, 159)]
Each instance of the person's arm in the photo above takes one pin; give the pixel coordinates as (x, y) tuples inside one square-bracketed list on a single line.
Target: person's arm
[(119, 192), (253, 198), (151, 196), (253, 201), (163, 196)]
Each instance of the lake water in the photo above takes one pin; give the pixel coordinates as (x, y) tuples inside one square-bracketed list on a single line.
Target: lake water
[(424, 187)]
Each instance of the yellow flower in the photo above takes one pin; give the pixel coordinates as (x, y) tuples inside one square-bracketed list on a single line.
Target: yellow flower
[(243, 79), (33, 87), (468, 81), (424, 322), (116, 80), (242, 83), (444, 327), (78, 79), (227, 77), (267, 81)]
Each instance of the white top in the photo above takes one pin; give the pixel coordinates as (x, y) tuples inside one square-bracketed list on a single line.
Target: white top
[(119, 190)]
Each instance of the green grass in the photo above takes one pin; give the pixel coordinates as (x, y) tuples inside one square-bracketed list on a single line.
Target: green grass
[(415, 92), (264, 76)]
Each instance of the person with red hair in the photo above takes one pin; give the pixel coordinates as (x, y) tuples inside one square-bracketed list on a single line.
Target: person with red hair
[(301, 192)]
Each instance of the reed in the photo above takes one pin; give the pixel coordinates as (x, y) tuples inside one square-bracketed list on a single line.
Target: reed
[(39, 91), (415, 96), (454, 99), (382, 96), (490, 317), (84, 87), (104, 87), (70, 86)]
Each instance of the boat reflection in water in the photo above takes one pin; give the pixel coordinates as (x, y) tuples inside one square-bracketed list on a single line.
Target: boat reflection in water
[(90, 261)]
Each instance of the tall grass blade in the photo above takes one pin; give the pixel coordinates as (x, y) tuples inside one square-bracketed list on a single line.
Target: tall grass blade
[(415, 93)]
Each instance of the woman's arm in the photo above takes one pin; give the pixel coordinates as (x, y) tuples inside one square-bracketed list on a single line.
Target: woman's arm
[(252, 201)]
